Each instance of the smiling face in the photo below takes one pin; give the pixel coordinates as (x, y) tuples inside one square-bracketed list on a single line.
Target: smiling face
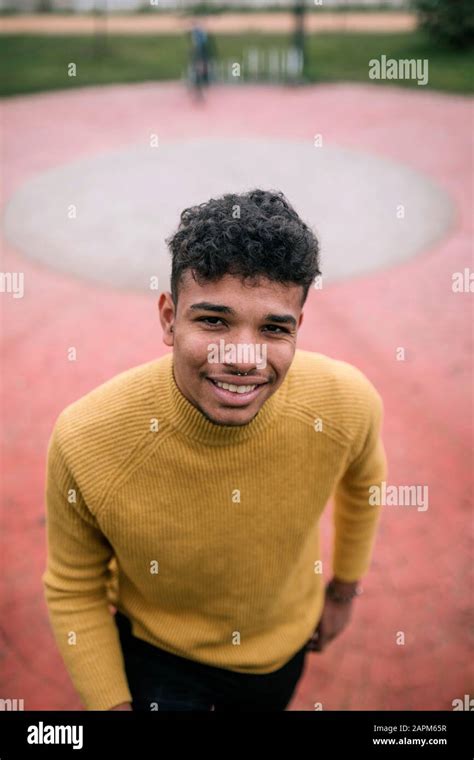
[(255, 327)]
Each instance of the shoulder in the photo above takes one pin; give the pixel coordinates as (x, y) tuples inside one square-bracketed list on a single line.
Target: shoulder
[(340, 391), (323, 373), (100, 432), (115, 398)]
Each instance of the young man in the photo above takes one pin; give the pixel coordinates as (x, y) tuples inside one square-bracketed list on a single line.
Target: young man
[(192, 486)]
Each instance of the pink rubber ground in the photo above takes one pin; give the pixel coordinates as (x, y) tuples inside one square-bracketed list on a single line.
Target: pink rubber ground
[(421, 577)]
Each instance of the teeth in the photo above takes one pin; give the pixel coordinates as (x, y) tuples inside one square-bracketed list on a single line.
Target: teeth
[(236, 388)]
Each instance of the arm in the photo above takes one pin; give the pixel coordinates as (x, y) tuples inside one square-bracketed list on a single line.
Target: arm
[(355, 518), (75, 589), (355, 525)]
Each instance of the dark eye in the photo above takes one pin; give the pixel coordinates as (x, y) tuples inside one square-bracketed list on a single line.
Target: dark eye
[(277, 327), (207, 320)]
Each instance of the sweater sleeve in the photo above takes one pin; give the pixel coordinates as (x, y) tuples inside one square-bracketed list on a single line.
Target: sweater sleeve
[(355, 517), (74, 582)]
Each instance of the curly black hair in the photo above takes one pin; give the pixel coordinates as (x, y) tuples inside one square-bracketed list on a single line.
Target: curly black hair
[(252, 234)]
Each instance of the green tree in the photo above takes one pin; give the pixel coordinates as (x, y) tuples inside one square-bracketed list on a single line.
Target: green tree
[(450, 21)]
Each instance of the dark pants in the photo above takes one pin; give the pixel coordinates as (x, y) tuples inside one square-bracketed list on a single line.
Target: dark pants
[(159, 680)]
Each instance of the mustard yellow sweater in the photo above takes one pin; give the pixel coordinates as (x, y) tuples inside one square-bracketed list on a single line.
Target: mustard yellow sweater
[(205, 536)]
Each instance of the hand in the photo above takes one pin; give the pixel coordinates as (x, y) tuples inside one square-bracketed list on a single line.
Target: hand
[(123, 706), (334, 619)]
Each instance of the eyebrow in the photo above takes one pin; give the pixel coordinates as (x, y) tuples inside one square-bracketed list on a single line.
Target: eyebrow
[(221, 309)]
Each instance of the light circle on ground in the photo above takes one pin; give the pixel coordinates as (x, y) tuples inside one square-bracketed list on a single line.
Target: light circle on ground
[(105, 218)]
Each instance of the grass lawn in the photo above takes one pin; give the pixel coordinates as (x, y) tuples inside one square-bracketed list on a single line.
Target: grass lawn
[(33, 63)]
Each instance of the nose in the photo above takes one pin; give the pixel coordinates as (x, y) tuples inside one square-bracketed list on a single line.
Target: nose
[(243, 353)]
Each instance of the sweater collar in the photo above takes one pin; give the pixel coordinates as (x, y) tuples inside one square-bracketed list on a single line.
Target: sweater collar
[(185, 417)]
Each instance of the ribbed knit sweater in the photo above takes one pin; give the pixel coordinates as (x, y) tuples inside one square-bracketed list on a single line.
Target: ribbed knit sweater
[(205, 536)]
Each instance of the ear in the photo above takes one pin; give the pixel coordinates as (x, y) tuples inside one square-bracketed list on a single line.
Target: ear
[(166, 312)]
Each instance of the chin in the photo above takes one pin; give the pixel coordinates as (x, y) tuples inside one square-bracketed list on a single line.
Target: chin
[(230, 419)]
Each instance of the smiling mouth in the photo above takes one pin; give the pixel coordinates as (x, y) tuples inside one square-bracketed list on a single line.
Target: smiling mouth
[(237, 392), (235, 388)]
